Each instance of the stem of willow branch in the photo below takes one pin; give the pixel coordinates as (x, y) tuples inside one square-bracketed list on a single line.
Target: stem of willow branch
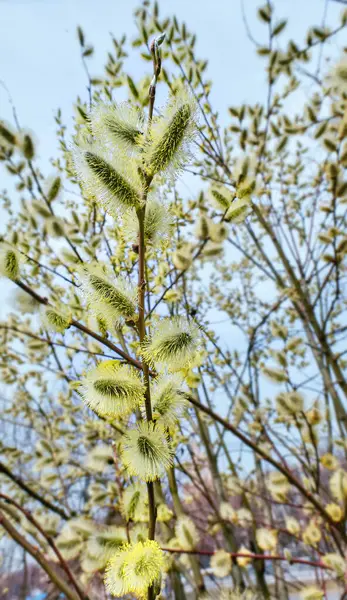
[(142, 284), (146, 376), (156, 72), (145, 368)]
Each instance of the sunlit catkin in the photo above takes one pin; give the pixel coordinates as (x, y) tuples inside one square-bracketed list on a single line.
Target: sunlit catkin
[(112, 389), (172, 134)]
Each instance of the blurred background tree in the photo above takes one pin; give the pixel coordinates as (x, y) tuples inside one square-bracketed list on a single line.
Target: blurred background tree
[(255, 261)]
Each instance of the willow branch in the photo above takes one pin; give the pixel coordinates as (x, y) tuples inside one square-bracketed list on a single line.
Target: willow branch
[(51, 543), (42, 300), (59, 511), (253, 556), (39, 557), (263, 454)]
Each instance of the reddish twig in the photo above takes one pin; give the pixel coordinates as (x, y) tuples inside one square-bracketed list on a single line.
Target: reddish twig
[(51, 543), (253, 556), (78, 325)]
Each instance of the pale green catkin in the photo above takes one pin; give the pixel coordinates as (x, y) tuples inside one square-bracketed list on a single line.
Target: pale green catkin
[(115, 183), (163, 153), (125, 132), (110, 295)]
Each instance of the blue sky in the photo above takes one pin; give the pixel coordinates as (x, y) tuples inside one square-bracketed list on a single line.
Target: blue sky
[(40, 62)]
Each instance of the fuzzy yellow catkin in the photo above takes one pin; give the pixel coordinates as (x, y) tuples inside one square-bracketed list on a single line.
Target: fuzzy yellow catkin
[(9, 262), (289, 403), (69, 544), (186, 533), (312, 593), (173, 343), (168, 402), (56, 320), (266, 538), (134, 504), (158, 223), (183, 257), (53, 186), (25, 303), (112, 298), (172, 134), (173, 296), (134, 568), (329, 461), (164, 513), (336, 562), (292, 525), (275, 375), (338, 485), (54, 227), (202, 230), (278, 486), (220, 563), (112, 389), (104, 543), (121, 124), (312, 534), (192, 379), (99, 457), (7, 136), (337, 78), (244, 517), (221, 197), (227, 512), (112, 178), (146, 451), (212, 250), (218, 232), (335, 511), (27, 145), (238, 211)]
